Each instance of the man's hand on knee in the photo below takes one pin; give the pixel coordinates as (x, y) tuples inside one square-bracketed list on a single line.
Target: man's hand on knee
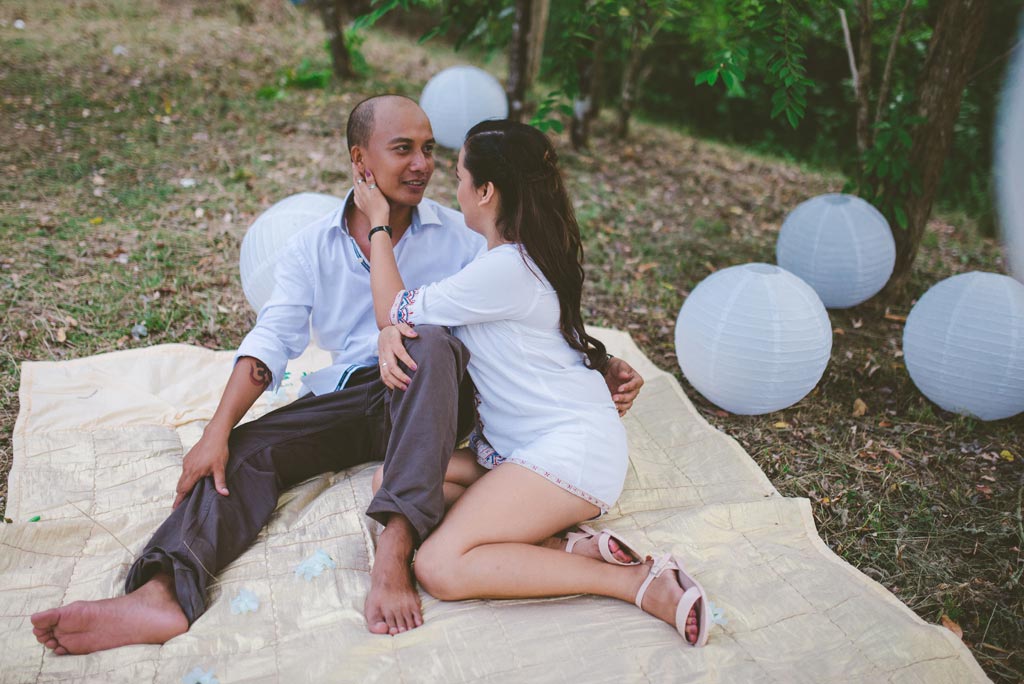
[(624, 383), (208, 457), (391, 350)]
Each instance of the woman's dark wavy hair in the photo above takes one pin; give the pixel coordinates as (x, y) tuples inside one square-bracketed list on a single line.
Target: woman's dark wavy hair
[(535, 210)]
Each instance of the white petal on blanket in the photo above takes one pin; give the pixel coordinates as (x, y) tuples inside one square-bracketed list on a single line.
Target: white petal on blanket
[(314, 565), (245, 602), (199, 676), (717, 614)]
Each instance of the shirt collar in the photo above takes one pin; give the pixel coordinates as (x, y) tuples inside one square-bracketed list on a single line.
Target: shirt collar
[(423, 214)]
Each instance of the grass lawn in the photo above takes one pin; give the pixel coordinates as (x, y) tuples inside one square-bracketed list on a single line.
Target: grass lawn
[(127, 182)]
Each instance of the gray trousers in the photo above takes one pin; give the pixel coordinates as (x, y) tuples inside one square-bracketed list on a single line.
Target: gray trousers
[(414, 432)]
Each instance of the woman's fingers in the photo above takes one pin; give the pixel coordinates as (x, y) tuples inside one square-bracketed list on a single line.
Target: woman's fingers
[(407, 330), (403, 355), (394, 378)]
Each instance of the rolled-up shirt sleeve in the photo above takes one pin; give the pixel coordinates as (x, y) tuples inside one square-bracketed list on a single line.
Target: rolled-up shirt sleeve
[(496, 286), (282, 326)]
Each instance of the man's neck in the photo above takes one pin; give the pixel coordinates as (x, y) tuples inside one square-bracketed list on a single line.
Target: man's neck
[(399, 220)]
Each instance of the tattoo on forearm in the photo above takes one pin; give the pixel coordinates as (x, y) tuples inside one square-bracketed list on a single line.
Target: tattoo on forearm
[(260, 374)]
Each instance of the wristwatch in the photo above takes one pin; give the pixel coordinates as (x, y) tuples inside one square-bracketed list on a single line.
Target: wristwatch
[(377, 229)]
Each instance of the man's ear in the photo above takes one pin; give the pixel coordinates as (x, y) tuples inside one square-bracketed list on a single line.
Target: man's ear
[(355, 153)]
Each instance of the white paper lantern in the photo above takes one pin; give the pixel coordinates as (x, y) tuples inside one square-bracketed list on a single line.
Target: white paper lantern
[(753, 338), (840, 245), (267, 236), (1010, 164), (459, 98), (964, 345)]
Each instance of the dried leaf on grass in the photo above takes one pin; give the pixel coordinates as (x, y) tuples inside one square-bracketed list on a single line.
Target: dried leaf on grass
[(948, 623)]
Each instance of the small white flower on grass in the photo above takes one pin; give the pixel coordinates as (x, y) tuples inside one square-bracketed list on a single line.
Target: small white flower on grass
[(198, 676), (717, 614), (314, 565), (187, 182), (120, 50), (19, 24), (245, 602)]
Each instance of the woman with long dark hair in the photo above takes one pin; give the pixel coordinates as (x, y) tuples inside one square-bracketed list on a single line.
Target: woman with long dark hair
[(549, 450)]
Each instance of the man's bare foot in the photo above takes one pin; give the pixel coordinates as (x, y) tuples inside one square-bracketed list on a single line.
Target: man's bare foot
[(663, 596), (589, 548), (393, 604), (148, 615)]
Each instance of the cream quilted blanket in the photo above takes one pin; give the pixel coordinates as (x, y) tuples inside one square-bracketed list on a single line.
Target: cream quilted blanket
[(97, 451)]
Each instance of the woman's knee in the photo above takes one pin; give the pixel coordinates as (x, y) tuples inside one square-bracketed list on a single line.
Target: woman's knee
[(436, 571), (378, 479)]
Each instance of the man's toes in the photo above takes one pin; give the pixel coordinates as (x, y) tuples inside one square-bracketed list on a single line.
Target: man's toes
[(46, 619), (379, 627), (414, 615), (60, 650), (51, 643), (392, 623)]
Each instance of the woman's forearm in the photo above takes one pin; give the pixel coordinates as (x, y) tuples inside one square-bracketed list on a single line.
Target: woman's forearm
[(385, 280)]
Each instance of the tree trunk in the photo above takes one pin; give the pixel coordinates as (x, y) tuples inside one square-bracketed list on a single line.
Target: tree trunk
[(333, 13), (518, 58), (956, 36), (864, 134), (584, 107), (883, 90), (597, 74), (539, 11), (629, 83)]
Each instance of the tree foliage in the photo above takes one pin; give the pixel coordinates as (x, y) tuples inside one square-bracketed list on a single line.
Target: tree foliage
[(772, 74)]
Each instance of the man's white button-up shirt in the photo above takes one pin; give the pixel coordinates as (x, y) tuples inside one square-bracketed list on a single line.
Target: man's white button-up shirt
[(322, 285)]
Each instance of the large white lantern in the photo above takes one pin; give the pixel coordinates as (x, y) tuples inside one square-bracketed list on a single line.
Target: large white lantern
[(840, 245), (459, 98), (267, 236), (1010, 164), (753, 338), (964, 345)]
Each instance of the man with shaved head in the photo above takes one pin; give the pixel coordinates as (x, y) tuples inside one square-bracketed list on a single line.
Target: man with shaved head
[(398, 395)]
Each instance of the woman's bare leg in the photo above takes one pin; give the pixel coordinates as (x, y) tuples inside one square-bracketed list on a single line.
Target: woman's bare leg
[(488, 547)]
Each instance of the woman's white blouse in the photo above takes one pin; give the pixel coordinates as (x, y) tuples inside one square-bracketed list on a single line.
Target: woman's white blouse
[(537, 399)]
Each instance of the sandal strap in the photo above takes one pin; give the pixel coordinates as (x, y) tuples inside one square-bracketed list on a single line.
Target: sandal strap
[(605, 549), (586, 532), (661, 564), (686, 603)]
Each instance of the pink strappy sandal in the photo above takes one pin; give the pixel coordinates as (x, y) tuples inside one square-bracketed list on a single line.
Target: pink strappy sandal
[(587, 532), (693, 594)]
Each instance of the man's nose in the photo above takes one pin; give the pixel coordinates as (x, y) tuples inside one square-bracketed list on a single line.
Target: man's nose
[(418, 161)]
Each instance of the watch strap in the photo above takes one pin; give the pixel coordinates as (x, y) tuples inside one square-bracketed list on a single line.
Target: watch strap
[(377, 229)]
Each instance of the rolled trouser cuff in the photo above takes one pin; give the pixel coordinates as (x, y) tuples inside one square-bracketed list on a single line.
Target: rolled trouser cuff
[(384, 504), (188, 590)]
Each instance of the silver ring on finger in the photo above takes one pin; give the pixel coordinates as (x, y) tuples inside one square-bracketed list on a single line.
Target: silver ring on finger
[(372, 186), (383, 364), (360, 181)]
